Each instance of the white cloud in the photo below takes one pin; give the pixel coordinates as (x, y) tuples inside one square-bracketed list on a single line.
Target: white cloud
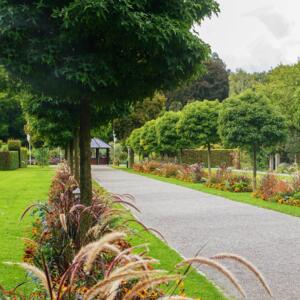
[(255, 35)]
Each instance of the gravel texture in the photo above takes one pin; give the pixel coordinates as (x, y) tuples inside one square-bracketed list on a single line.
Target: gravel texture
[(189, 219)]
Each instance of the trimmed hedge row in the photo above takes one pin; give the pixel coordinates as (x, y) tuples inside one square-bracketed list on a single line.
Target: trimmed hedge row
[(9, 160), (219, 157), (24, 157)]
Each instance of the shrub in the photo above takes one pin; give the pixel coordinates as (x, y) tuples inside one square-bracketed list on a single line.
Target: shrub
[(225, 180), (4, 160), (169, 170), (1, 143), (24, 157), (14, 145), (151, 167), (138, 167), (296, 182), (9, 160), (42, 156), (197, 173), (14, 160), (271, 187)]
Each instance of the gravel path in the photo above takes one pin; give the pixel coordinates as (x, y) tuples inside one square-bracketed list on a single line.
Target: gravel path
[(189, 219)]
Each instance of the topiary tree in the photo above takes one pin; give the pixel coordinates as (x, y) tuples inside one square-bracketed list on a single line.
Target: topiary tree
[(149, 138), (102, 52), (198, 126), (134, 141), (250, 121), (168, 140)]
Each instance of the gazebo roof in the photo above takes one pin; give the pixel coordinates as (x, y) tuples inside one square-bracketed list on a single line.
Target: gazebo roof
[(99, 144)]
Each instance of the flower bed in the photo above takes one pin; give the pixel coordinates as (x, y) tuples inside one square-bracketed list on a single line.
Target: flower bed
[(277, 190), (223, 179)]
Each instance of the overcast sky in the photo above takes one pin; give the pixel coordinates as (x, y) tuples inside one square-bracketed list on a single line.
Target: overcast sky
[(255, 34)]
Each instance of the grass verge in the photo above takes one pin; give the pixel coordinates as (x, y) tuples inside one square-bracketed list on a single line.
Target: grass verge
[(239, 197), (195, 284), (18, 189)]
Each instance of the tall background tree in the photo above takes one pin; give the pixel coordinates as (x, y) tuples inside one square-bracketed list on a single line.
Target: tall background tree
[(214, 84), (249, 121), (241, 81), (12, 120), (139, 113)]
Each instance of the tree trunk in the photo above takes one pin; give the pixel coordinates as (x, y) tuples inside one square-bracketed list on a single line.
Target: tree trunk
[(85, 152), (71, 161), (254, 169), (209, 161), (130, 158), (66, 153), (76, 156)]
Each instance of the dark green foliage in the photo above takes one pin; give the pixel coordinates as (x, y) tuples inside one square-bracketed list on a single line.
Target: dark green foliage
[(24, 157), (14, 160), (120, 50), (214, 84), (219, 157), (4, 160), (139, 114), (11, 116), (9, 160), (168, 140), (14, 145)]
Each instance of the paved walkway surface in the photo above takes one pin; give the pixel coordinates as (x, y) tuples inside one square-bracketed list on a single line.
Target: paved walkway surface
[(189, 219)]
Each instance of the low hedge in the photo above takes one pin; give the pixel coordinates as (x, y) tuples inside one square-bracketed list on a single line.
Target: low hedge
[(219, 157), (9, 160), (24, 157)]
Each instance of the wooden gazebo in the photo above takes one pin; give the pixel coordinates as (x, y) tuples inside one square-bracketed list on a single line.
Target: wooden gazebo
[(100, 152)]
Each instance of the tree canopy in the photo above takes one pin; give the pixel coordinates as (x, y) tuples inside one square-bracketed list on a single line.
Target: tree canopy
[(214, 84), (169, 142), (12, 120), (149, 138), (198, 125), (102, 52), (139, 113)]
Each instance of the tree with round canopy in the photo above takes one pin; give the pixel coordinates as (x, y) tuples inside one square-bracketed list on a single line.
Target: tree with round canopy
[(149, 138), (198, 126), (250, 121), (168, 140), (134, 141), (100, 52)]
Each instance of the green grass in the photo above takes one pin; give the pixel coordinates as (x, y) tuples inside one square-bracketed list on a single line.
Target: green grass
[(239, 197), (195, 285), (18, 189)]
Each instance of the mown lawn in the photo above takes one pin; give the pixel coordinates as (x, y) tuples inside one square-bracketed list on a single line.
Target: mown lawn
[(18, 189), (239, 197)]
